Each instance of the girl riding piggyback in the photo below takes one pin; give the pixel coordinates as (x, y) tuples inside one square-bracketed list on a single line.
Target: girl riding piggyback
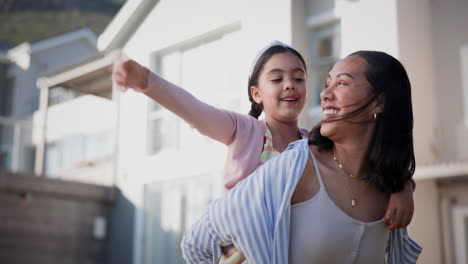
[(276, 87)]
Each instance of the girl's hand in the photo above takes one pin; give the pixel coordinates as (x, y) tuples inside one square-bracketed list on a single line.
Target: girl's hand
[(400, 208), (128, 73)]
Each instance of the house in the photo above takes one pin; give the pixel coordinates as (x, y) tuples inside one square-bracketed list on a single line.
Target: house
[(21, 66), (170, 173)]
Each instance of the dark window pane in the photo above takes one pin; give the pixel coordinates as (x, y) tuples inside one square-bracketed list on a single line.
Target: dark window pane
[(326, 47)]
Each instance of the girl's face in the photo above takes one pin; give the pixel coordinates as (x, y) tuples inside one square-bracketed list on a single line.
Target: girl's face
[(347, 89), (281, 87)]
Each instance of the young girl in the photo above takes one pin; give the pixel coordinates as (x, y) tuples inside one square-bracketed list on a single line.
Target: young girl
[(277, 86)]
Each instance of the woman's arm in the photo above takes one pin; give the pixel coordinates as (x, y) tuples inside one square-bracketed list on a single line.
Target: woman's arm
[(200, 243), (210, 121)]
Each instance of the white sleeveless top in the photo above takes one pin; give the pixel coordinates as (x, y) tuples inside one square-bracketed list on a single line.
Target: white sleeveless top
[(322, 233)]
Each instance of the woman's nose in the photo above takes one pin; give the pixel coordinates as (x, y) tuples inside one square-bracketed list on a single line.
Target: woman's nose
[(326, 94)]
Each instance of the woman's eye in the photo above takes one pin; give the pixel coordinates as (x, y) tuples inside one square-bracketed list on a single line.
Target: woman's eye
[(342, 83)]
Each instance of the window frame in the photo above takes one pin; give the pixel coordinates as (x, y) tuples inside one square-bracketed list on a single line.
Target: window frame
[(464, 78), (320, 27), (460, 232)]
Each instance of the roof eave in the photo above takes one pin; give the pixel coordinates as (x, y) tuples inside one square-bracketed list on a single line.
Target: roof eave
[(124, 24)]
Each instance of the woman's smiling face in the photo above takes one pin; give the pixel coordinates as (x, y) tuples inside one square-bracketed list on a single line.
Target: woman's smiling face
[(347, 89)]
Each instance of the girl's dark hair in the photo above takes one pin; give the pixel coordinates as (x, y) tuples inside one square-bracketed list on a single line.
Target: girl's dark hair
[(390, 153), (256, 109)]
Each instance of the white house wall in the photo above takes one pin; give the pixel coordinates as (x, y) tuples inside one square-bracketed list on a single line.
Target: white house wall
[(449, 21), (368, 25), (425, 226), (416, 53)]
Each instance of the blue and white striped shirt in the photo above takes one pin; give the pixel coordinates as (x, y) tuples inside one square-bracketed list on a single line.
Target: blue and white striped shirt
[(255, 217)]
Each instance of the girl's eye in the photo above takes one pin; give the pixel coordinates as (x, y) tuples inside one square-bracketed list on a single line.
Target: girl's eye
[(277, 80), (298, 79)]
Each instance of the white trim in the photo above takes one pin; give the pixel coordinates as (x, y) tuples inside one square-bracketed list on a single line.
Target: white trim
[(117, 23), (464, 77), (76, 72), (460, 213), (124, 24), (205, 37), (322, 19), (441, 170)]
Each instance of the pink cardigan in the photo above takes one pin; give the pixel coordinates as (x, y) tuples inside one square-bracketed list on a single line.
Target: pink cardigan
[(245, 148)]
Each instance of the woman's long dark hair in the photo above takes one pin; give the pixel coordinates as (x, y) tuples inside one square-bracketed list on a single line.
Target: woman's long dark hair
[(256, 109), (390, 153)]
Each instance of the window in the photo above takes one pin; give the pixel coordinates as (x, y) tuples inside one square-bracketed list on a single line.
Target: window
[(6, 90), (162, 125), (460, 225), (72, 152), (208, 69), (169, 213), (325, 52)]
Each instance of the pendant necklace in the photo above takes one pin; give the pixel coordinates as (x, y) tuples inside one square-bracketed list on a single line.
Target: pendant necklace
[(348, 186)]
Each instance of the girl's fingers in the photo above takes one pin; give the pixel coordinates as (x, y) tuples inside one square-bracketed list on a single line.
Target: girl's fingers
[(396, 223), (409, 217), (118, 71), (404, 221), (389, 216)]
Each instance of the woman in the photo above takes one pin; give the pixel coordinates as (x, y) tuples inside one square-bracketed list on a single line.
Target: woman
[(322, 200)]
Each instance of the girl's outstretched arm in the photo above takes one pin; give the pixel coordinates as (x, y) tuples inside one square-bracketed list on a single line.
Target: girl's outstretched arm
[(210, 121)]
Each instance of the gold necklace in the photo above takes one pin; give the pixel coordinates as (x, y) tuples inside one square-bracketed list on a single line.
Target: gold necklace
[(341, 166), (348, 187)]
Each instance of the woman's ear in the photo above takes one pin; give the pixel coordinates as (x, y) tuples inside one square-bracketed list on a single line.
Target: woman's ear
[(378, 104), (256, 95)]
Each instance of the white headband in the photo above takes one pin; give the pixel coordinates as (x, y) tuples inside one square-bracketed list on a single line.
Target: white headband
[(260, 53)]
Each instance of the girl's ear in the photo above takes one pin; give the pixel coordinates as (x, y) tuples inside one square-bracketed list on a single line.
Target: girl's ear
[(256, 95)]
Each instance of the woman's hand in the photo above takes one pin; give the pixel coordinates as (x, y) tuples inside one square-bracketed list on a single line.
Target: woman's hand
[(400, 208), (128, 73)]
